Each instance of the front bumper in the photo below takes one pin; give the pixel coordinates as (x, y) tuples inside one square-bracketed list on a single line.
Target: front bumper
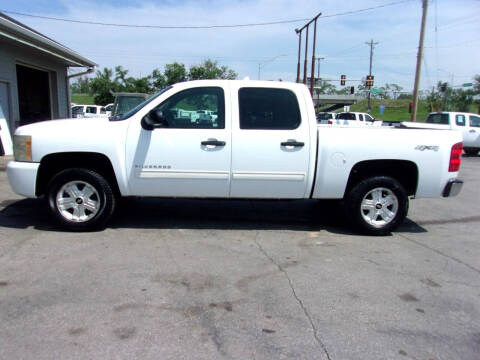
[(453, 187), (23, 177)]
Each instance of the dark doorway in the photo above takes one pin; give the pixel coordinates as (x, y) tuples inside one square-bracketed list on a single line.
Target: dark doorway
[(33, 95)]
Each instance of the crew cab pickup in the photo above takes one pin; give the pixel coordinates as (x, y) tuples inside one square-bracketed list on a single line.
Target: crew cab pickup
[(467, 123), (231, 139)]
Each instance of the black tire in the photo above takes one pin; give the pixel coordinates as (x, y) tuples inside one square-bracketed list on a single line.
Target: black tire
[(471, 151), (357, 216), (104, 195)]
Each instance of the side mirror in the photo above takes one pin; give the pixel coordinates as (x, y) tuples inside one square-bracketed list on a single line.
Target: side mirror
[(154, 119)]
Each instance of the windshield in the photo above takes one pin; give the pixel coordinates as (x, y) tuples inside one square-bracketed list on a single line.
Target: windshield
[(120, 117)]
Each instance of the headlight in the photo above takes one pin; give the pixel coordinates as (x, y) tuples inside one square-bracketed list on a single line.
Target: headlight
[(22, 148)]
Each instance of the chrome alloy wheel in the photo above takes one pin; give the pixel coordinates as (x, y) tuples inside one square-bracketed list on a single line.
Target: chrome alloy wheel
[(78, 201), (379, 207)]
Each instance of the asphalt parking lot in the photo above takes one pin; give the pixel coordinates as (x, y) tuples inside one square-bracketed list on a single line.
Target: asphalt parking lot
[(185, 279)]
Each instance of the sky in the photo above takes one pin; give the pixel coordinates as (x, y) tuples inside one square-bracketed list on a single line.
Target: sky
[(451, 54)]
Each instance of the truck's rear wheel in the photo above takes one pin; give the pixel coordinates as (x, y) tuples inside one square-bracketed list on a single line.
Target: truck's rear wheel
[(80, 199), (376, 205)]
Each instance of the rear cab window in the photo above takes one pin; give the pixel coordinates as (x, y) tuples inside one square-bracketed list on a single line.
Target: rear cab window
[(268, 109), (346, 116), (324, 116), (437, 119)]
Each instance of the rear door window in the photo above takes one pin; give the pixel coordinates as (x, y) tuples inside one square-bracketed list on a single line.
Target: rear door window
[(460, 120), (360, 116), (268, 109)]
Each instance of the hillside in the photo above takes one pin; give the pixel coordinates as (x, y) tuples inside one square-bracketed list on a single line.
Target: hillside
[(395, 110)]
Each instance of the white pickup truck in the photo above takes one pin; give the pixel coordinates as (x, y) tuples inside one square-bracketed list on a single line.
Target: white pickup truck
[(352, 119), (260, 140), (467, 123)]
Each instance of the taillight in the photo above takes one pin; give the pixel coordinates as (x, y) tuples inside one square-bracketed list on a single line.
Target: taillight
[(455, 157), (330, 122)]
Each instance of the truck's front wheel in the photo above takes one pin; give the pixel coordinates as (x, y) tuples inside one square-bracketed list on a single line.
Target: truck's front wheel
[(376, 205), (80, 199)]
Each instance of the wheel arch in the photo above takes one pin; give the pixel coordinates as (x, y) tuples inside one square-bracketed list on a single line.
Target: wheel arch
[(404, 171), (52, 164)]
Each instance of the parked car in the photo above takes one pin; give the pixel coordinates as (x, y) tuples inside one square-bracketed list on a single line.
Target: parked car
[(467, 123), (264, 144), (87, 111)]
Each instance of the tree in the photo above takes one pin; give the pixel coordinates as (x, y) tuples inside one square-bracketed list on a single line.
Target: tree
[(396, 89), (476, 89), (81, 85), (449, 98), (109, 81), (209, 69), (343, 91), (157, 80), (174, 73), (461, 100), (325, 88), (102, 86)]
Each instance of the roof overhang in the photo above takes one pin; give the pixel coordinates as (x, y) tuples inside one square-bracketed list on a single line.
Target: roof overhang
[(22, 34)]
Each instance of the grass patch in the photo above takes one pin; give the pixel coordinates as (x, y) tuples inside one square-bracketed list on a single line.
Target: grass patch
[(395, 110), (83, 99)]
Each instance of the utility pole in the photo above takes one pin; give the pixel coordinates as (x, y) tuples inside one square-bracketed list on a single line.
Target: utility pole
[(299, 32), (318, 60), (372, 45), (419, 61)]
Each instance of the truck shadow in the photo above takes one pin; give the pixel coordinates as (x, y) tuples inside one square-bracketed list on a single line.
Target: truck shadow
[(153, 213)]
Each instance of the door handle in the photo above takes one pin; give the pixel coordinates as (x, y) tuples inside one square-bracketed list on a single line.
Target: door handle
[(213, 143), (292, 143), (472, 131)]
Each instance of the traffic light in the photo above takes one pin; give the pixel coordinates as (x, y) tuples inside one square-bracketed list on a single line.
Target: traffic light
[(342, 79), (410, 107), (369, 81), (352, 90)]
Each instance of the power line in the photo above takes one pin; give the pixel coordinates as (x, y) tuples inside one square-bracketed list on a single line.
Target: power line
[(86, 22)]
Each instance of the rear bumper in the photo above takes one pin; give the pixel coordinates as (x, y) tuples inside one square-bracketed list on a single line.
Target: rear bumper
[(453, 187), (23, 177)]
